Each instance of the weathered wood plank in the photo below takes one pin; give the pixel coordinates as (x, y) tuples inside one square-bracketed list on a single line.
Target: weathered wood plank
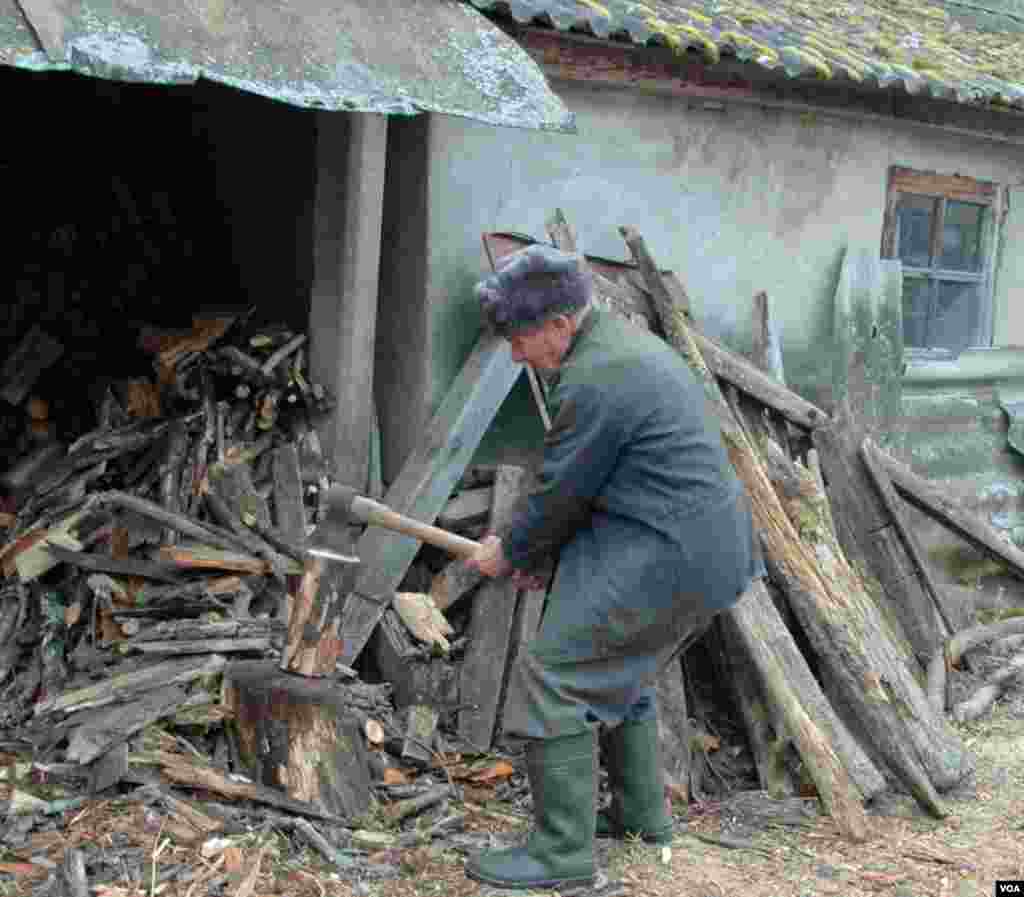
[(484, 666), (289, 510), (426, 482)]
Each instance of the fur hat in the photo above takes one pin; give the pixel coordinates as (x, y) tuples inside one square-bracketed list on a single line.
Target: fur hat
[(532, 286)]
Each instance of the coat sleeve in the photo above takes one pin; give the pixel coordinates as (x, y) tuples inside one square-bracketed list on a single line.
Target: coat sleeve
[(580, 452)]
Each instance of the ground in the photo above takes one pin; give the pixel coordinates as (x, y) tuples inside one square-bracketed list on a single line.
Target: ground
[(907, 854)]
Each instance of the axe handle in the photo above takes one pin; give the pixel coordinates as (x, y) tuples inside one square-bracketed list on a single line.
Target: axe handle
[(376, 514)]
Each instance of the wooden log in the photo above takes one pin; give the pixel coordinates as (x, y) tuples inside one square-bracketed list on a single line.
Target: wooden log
[(767, 348), (170, 475), (181, 647), (126, 686), (298, 734), (108, 728), (168, 573), (201, 558), (675, 734), (954, 649), (838, 793), (870, 538), (185, 525), (995, 686), (314, 643), (35, 352), (426, 482), (484, 667), (851, 639), (184, 630), (191, 773), (940, 506), (870, 455), (229, 517)]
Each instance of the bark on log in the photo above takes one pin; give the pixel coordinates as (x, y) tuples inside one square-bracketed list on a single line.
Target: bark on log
[(299, 735), (850, 637), (314, 644), (869, 537), (871, 456), (954, 650), (838, 793), (939, 505), (170, 475), (995, 686)]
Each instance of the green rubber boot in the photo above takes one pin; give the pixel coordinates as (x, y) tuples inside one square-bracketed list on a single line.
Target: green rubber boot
[(560, 850), (634, 778)]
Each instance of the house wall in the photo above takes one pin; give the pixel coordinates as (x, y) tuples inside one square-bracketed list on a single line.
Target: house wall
[(736, 199)]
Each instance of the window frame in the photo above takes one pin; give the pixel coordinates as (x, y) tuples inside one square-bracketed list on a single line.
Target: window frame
[(943, 188)]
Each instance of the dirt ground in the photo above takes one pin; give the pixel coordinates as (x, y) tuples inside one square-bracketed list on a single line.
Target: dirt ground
[(907, 855)]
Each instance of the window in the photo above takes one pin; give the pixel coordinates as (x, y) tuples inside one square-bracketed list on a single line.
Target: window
[(940, 228)]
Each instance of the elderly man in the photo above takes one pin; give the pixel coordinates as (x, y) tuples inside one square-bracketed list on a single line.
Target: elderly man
[(654, 537)]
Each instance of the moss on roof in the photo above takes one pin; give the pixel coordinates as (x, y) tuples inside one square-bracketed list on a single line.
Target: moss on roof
[(960, 51)]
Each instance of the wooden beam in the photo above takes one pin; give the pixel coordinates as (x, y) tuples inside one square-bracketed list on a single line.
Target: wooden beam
[(351, 151), (426, 482)]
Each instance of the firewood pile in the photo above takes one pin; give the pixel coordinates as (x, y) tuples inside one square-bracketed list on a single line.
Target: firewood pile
[(165, 634)]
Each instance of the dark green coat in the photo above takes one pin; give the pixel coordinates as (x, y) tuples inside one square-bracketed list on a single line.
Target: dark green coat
[(652, 528)]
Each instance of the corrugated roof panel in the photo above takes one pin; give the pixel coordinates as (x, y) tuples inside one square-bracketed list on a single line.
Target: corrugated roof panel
[(385, 56), (962, 51)]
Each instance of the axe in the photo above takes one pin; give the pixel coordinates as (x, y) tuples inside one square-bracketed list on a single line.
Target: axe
[(345, 506)]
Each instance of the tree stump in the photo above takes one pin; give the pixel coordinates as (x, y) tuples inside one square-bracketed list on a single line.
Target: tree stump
[(299, 734)]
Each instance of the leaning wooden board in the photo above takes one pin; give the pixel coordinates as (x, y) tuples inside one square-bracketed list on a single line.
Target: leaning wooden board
[(425, 484)]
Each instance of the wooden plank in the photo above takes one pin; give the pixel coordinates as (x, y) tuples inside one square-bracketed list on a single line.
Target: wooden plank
[(289, 510), (484, 666), (951, 186), (426, 482)]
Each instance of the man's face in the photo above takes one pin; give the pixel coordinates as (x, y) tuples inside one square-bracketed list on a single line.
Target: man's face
[(542, 347)]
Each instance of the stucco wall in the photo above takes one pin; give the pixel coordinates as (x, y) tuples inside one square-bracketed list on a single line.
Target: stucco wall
[(735, 199)]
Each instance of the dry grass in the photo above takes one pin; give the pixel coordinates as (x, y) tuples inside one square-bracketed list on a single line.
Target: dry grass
[(908, 855)]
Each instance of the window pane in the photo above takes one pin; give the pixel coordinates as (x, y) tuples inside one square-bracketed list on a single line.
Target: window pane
[(956, 318), (961, 236), (917, 293), (914, 215)]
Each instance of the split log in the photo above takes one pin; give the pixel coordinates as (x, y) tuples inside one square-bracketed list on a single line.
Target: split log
[(193, 774), (106, 729), (847, 631), (126, 686), (931, 499), (289, 510), (201, 646), (167, 573), (298, 734), (252, 541), (954, 649), (484, 668), (185, 630), (73, 873), (871, 456), (36, 352), (314, 642), (183, 524), (201, 558), (995, 686), (869, 535), (767, 349)]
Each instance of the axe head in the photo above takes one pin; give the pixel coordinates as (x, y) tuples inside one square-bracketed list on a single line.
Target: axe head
[(332, 540)]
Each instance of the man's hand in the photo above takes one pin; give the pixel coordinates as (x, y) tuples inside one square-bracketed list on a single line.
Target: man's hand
[(490, 558)]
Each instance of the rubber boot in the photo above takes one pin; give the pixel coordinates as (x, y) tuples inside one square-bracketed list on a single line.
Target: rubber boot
[(634, 777), (560, 850)]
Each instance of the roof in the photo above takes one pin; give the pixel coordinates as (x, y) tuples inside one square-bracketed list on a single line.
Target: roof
[(963, 52), (385, 56)]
